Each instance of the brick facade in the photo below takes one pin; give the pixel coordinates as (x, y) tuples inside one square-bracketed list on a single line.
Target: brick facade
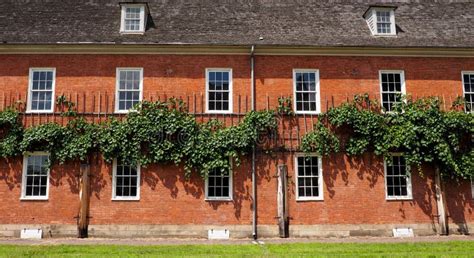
[(354, 190)]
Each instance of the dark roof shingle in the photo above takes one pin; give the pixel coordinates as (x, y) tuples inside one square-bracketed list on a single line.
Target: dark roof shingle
[(426, 23)]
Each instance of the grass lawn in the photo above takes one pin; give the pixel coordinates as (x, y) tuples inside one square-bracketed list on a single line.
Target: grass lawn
[(440, 249)]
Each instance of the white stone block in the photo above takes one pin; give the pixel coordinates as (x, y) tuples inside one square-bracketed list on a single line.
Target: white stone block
[(403, 232), (27, 233), (215, 234)]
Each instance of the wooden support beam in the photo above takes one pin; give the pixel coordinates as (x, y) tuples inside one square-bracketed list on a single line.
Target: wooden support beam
[(441, 203), (84, 194), (282, 200)]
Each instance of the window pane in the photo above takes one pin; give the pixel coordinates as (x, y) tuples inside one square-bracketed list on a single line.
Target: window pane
[(308, 191), (212, 105), (225, 105), (126, 191), (212, 85), (225, 191), (301, 191), (118, 191), (225, 86), (390, 191)]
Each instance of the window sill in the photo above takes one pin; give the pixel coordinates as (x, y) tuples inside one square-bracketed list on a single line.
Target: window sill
[(407, 198), (33, 198), (219, 199), (381, 35), (307, 112), (310, 199), (122, 111), (39, 111), (132, 32), (217, 112), (125, 199)]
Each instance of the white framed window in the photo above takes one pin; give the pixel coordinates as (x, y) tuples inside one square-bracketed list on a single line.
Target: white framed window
[(133, 18), (41, 90), (472, 188), (125, 181), (468, 90), (381, 21), (392, 85), (309, 177), (397, 178), (219, 185), (35, 179), (306, 91), (219, 90), (384, 21), (129, 89)]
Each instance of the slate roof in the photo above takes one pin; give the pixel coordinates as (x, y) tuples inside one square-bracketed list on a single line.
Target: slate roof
[(321, 23)]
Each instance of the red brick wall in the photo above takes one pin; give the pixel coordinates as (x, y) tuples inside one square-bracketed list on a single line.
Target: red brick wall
[(343, 77), (354, 193), (61, 208), (353, 189), (167, 197)]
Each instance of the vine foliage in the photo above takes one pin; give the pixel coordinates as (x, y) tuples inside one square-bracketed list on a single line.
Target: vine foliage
[(419, 129), (154, 132), (11, 132)]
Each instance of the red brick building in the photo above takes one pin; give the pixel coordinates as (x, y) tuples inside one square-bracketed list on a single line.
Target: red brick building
[(108, 55)]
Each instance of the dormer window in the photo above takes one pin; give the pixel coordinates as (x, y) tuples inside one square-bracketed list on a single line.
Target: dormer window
[(381, 21), (133, 18)]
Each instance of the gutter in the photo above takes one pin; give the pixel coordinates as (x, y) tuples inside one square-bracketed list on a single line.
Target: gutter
[(254, 179), (186, 49)]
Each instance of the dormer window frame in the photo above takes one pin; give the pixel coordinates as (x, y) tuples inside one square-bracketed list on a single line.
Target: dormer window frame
[(371, 18), (143, 16)]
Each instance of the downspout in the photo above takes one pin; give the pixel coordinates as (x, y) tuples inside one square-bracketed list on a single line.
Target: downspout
[(254, 179)]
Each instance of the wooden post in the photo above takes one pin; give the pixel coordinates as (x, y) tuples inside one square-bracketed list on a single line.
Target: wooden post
[(282, 199), (441, 203), (84, 195)]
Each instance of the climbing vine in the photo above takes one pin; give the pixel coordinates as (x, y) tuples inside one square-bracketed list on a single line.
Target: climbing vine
[(11, 132), (66, 106), (215, 145), (164, 132), (155, 132), (161, 132), (419, 129), (284, 106), (75, 141)]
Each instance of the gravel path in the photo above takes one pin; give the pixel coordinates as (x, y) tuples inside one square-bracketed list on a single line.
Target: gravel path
[(179, 241)]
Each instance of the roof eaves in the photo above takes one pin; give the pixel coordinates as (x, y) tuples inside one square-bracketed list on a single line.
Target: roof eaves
[(394, 7)]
